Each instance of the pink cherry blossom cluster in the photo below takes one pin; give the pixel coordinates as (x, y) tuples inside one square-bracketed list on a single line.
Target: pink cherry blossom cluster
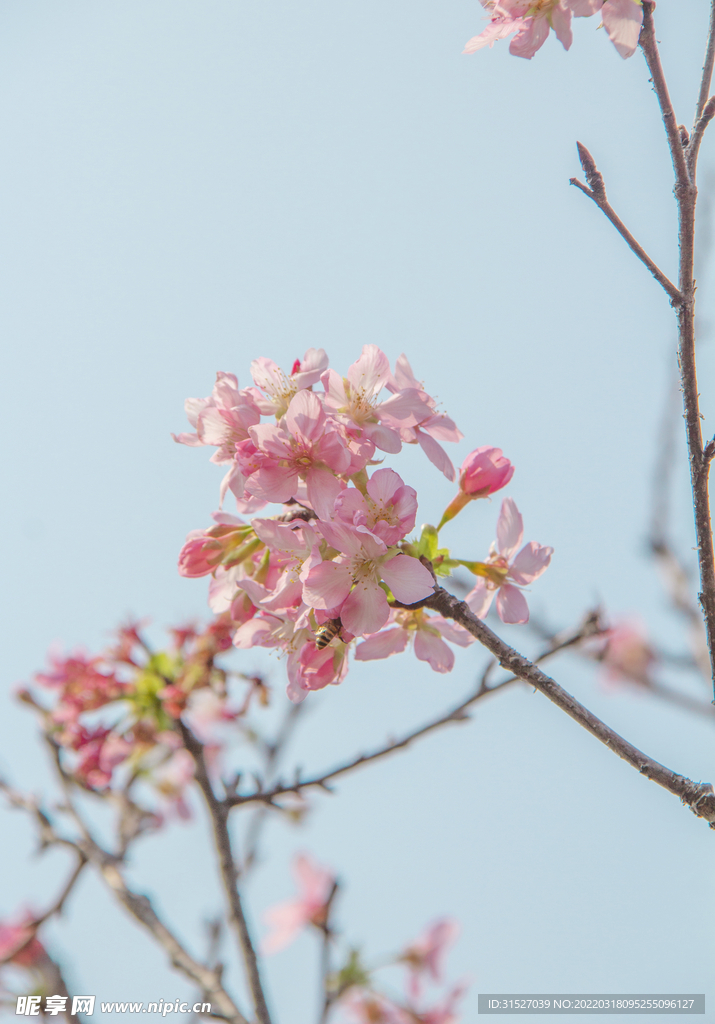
[(337, 565), (113, 716), (532, 20), (354, 989)]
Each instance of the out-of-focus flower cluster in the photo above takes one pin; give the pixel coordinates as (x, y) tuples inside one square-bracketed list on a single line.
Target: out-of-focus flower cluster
[(337, 565), (530, 21), (354, 989), (114, 717), (24, 960)]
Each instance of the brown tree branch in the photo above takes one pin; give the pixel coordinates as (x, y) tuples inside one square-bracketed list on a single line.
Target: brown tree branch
[(588, 628), (596, 190), (218, 812), (708, 65), (700, 797), (686, 196)]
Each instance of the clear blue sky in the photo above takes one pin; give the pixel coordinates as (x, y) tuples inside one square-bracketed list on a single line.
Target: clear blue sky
[(184, 186)]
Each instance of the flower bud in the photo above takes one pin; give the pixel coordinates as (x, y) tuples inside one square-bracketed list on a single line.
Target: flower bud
[(484, 471)]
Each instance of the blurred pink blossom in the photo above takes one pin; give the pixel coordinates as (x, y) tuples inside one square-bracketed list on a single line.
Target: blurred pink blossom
[(286, 920)]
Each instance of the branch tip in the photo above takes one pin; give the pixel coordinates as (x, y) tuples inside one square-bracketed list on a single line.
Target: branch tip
[(593, 175)]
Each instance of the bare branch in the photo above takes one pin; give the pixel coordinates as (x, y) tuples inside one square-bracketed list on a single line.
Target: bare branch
[(700, 797), (686, 195), (707, 67), (649, 46), (693, 146), (325, 968), (218, 811), (589, 627), (596, 190)]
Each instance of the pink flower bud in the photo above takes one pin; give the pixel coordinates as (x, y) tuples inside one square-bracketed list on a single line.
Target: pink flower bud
[(200, 556), (485, 471)]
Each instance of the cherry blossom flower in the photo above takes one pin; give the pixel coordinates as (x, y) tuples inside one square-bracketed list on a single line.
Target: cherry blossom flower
[(353, 400), (387, 509), (425, 956), (19, 944), (531, 20), (303, 446), (350, 585), (502, 574), (313, 669), (99, 751), (286, 920), (276, 389), (432, 428), (627, 654), (428, 633), (80, 684), (222, 419)]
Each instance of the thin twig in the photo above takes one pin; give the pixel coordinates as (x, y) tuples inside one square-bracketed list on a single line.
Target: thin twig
[(700, 797), (708, 65), (454, 715), (325, 966), (218, 811), (686, 196), (140, 906), (596, 190)]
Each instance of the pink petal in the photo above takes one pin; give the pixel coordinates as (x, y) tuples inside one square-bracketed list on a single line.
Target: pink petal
[(314, 363), (383, 483), (511, 605), (510, 528), (370, 372), (434, 650), (442, 427), (451, 631), (343, 537), (351, 506), (403, 377), (366, 609), (382, 645), (279, 536), (497, 30), (530, 37), (327, 586), (622, 20), (314, 881), (561, 24), (408, 406), (530, 563), (323, 489), (285, 921), (305, 417), (273, 483), (407, 578), (384, 438), (584, 8), (480, 598), (436, 454), (253, 633)]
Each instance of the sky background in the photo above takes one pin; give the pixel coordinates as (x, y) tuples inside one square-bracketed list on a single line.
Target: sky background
[(186, 186)]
